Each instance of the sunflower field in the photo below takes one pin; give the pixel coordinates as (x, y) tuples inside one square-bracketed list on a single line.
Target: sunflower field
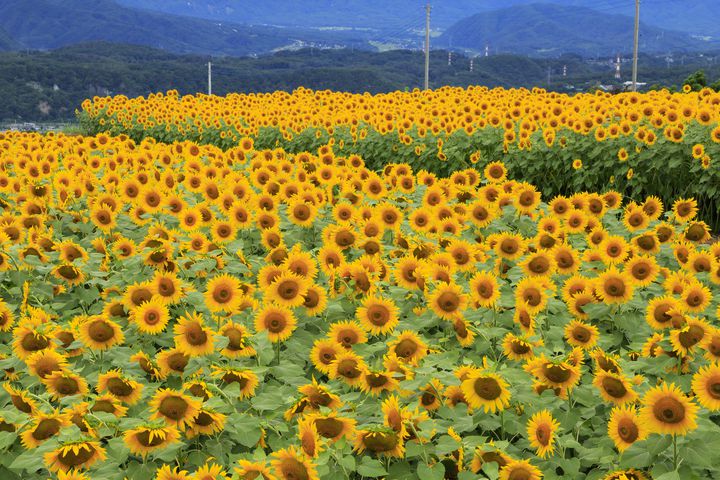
[(641, 144), (185, 306)]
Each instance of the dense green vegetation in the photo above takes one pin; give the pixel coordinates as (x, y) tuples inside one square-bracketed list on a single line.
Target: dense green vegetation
[(51, 85)]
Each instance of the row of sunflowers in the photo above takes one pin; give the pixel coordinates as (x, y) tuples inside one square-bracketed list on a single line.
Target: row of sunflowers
[(179, 311), (641, 144)]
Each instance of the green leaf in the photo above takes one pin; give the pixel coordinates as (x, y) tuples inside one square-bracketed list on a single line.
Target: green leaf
[(371, 468), (426, 472)]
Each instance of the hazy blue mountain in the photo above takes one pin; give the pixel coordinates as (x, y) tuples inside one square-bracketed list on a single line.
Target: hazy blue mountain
[(47, 24), (698, 17), (551, 30), (7, 43)]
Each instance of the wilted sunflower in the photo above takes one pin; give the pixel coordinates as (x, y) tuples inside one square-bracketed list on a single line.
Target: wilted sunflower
[(666, 410), (541, 429)]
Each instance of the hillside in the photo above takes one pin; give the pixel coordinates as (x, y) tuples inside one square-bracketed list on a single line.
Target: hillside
[(698, 17), (50, 85), (7, 43), (48, 24), (551, 30)]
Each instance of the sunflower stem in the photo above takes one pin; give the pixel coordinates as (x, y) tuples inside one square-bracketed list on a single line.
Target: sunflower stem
[(277, 352), (675, 456)]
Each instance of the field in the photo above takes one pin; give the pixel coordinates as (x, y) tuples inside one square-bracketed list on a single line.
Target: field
[(455, 284)]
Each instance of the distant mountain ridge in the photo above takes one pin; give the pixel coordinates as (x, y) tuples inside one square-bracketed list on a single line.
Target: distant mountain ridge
[(48, 24), (546, 29), (697, 17)]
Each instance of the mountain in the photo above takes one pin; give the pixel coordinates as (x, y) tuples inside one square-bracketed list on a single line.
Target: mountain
[(698, 17), (48, 24), (551, 30), (372, 14), (7, 43)]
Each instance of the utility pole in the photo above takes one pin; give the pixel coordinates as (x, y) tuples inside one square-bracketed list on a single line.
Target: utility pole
[(449, 59), (209, 78), (427, 46), (472, 61), (637, 44)]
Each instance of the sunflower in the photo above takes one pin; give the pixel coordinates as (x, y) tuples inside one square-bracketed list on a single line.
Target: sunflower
[(333, 427), (151, 317), (65, 384), (629, 474), (43, 427), (120, 387), (6, 316), (510, 247), (348, 367), (238, 341), (207, 422), (290, 464), (408, 347), (541, 429), (380, 440), (484, 289), (171, 360), (614, 388), (308, 436), (530, 293), (554, 374), (79, 454), (323, 352), (108, 404), (377, 315), (69, 274), (625, 427), (486, 390), (174, 407), (192, 337), (613, 286), (45, 362), (706, 385), (20, 399), (684, 209), (315, 300), (146, 439), (27, 340), (696, 297), (171, 473), (167, 285), (99, 333), (405, 272), (666, 410), (287, 289), (519, 470), (279, 322), (580, 334), (223, 293), (684, 340), (659, 313), (517, 348), (246, 379)]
